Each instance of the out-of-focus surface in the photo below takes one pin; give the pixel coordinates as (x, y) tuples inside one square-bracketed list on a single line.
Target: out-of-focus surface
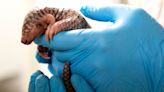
[(17, 61), (154, 7)]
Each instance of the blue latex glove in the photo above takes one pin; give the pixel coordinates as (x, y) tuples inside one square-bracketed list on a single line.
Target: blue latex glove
[(41, 83), (125, 57)]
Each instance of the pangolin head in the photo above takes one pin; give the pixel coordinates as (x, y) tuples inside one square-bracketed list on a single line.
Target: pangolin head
[(32, 26)]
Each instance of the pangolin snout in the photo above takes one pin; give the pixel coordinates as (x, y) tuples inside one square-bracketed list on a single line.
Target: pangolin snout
[(25, 41)]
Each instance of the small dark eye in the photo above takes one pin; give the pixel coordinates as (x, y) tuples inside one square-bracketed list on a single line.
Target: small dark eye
[(47, 24), (39, 25)]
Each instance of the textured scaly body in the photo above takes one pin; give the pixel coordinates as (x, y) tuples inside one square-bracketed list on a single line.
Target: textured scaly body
[(50, 21)]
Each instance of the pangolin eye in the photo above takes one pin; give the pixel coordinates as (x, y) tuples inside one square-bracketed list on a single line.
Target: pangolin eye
[(47, 24), (39, 25)]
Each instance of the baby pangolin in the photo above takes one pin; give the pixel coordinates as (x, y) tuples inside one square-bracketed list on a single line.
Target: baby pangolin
[(50, 21)]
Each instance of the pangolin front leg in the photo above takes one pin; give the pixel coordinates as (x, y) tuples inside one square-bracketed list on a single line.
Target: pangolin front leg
[(70, 23)]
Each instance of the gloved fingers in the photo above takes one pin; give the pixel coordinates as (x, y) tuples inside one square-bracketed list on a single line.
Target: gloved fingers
[(40, 59), (65, 40), (68, 40), (80, 84), (79, 49), (42, 84), (33, 78), (41, 40), (51, 69), (56, 84), (56, 67), (107, 13)]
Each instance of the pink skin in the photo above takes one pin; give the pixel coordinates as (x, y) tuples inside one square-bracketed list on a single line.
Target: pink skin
[(51, 31)]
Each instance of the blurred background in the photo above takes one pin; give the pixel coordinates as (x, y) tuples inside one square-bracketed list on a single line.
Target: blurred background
[(17, 61)]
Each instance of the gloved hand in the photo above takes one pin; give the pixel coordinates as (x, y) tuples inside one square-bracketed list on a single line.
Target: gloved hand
[(125, 57), (41, 83)]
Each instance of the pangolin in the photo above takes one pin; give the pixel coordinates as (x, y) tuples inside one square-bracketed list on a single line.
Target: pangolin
[(50, 21)]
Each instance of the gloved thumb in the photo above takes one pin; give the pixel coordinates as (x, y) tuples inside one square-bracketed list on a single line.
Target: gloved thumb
[(108, 13)]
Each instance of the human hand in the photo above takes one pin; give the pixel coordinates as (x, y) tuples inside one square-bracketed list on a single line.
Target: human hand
[(125, 57), (41, 83)]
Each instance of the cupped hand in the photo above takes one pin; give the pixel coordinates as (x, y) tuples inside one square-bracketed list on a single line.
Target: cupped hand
[(128, 56)]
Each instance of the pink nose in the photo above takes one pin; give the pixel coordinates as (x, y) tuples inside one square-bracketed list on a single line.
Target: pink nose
[(24, 41)]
